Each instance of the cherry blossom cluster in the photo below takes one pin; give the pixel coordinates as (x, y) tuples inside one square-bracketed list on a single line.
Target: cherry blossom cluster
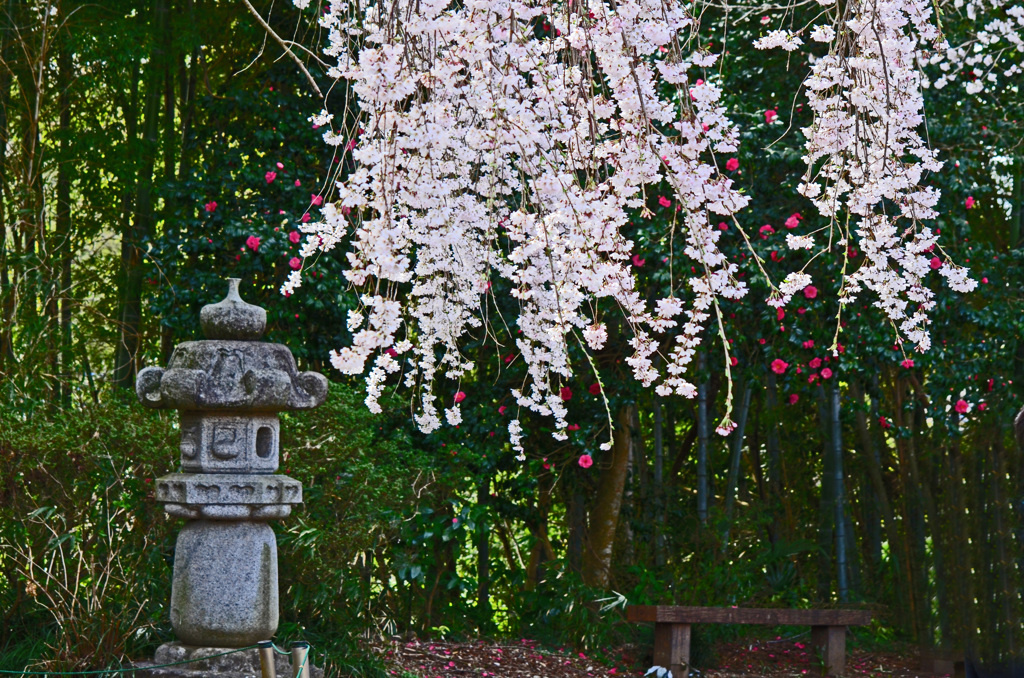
[(867, 161), (511, 140), (991, 53)]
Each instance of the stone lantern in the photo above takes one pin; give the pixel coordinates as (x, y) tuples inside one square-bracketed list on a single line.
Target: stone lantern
[(229, 390)]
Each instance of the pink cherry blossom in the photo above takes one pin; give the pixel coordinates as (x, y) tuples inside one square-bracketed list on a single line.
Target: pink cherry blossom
[(779, 366), (732, 164), (270, 176), (294, 237), (253, 243), (210, 206), (586, 461), (295, 263)]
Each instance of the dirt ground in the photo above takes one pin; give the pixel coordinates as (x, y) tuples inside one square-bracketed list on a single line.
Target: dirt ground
[(766, 657)]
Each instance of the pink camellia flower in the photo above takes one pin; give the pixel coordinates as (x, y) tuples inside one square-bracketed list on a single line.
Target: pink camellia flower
[(565, 393), (210, 206), (295, 263), (769, 116), (732, 164), (392, 352), (297, 183), (305, 218), (801, 310), (908, 363), (780, 314), (595, 389), (794, 220), (815, 363), (637, 261), (459, 397), (984, 281), (793, 398), (826, 373), (270, 176), (808, 344), (316, 200), (969, 202), (935, 263), (455, 521), (351, 144), (982, 406), (253, 243), (586, 461), (280, 165), (723, 226), (810, 291), (664, 202), (779, 366), (509, 358), (573, 427), (501, 410), (961, 406), (766, 230), (294, 237)]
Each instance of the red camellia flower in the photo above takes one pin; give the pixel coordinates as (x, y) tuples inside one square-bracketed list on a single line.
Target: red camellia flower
[(732, 164), (961, 406), (810, 291), (253, 243), (565, 393), (884, 422), (780, 314), (501, 410), (982, 406), (210, 206), (664, 202), (459, 397), (815, 363), (908, 363), (637, 261), (294, 237), (573, 427), (793, 398), (808, 344), (595, 389), (280, 165), (826, 373), (723, 226), (733, 361), (770, 115), (270, 176), (766, 230), (295, 263), (316, 200), (297, 183), (969, 203), (794, 220), (935, 263), (779, 366), (586, 461)]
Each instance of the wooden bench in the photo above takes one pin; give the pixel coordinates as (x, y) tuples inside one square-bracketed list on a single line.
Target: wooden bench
[(672, 629)]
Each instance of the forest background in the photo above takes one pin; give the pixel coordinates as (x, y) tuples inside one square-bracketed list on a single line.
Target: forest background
[(152, 149)]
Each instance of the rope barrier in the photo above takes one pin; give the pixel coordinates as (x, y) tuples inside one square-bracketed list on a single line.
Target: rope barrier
[(144, 668)]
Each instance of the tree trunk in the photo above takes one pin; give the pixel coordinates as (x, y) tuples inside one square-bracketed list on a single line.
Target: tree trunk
[(702, 441), (604, 516), (838, 493), (659, 485), (483, 556), (63, 237), (736, 442)]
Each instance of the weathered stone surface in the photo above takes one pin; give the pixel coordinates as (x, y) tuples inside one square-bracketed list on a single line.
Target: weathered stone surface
[(205, 489), (224, 590), (232, 318), (229, 443), (244, 664), (229, 511), (231, 375)]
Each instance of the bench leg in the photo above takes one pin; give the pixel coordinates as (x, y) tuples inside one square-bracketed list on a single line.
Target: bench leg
[(831, 642), (672, 648)]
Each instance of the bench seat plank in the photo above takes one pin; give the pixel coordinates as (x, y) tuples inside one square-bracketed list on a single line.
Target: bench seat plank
[(739, 615)]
